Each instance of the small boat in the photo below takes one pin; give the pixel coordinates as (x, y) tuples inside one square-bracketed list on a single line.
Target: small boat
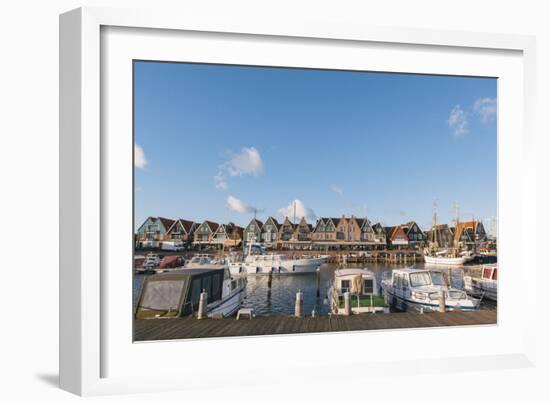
[(485, 285), (177, 294), (419, 290), (363, 287), (256, 261), (204, 260)]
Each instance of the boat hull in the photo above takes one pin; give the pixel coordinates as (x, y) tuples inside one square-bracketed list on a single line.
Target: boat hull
[(295, 266), (447, 261), (480, 289), (227, 306), (408, 305)]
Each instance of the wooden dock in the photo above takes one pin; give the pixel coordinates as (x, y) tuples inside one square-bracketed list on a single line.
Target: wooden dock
[(186, 328)]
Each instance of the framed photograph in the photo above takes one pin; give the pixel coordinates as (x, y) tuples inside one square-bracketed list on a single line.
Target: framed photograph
[(263, 192)]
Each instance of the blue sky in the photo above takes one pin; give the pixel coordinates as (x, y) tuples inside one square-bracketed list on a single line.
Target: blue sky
[(218, 142)]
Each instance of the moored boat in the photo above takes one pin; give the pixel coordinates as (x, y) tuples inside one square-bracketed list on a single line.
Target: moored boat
[(485, 285), (177, 294), (204, 260), (256, 261), (363, 289), (447, 258), (420, 290)]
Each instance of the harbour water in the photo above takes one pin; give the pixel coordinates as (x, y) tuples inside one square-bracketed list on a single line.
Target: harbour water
[(279, 299)]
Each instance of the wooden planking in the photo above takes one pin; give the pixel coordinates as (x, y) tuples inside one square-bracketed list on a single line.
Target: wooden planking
[(169, 329)]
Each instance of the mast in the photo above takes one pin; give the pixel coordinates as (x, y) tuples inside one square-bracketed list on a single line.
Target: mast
[(294, 219), (435, 225), (457, 221)]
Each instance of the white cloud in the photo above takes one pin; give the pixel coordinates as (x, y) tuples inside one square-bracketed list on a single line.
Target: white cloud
[(337, 189), (139, 157), (458, 121), (234, 204), (301, 211), (247, 162), (486, 108), (221, 181)]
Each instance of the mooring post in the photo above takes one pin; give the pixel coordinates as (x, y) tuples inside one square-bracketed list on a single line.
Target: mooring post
[(318, 282), (347, 303), (202, 305), (441, 300), (299, 305)]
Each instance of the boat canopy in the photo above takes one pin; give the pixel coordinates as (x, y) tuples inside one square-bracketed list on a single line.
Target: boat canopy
[(176, 294)]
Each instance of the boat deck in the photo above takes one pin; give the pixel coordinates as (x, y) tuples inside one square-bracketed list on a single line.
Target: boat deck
[(184, 328)]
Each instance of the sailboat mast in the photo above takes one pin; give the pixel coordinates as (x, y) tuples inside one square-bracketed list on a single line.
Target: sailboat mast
[(435, 224)]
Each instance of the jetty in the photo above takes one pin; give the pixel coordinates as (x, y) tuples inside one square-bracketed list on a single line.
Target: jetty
[(192, 328)]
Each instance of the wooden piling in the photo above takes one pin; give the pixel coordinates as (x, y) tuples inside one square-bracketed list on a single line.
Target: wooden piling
[(318, 282), (202, 305), (299, 305), (347, 303), (441, 300)]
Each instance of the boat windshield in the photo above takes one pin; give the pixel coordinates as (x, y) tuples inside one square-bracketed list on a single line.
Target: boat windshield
[(420, 279), (437, 278), (162, 295)]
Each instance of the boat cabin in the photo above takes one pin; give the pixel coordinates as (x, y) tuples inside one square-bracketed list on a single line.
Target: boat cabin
[(356, 281), (176, 294), (363, 289), (489, 272)]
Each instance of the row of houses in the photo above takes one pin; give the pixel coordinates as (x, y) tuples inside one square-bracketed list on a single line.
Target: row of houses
[(327, 232)]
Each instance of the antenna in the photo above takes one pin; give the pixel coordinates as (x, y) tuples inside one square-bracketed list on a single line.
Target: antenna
[(456, 208)]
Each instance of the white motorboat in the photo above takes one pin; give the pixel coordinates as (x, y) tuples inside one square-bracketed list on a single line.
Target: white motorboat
[(364, 292), (419, 290), (204, 260), (262, 263), (485, 285), (177, 294)]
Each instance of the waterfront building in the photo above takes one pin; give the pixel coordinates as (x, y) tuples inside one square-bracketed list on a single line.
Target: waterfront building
[(204, 234), (469, 234), (302, 231), (396, 236), (286, 231), (253, 231), (181, 230), (416, 236), (325, 229), (227, 235), (380, 233), (270, 232), (152, 232)]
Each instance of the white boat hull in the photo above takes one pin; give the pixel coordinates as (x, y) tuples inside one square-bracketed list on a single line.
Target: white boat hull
[(410, 305), (480, 288), (291, 266), (228, 305), (447, 261)]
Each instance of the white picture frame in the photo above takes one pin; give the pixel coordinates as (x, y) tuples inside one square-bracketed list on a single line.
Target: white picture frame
[(94, 342)]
